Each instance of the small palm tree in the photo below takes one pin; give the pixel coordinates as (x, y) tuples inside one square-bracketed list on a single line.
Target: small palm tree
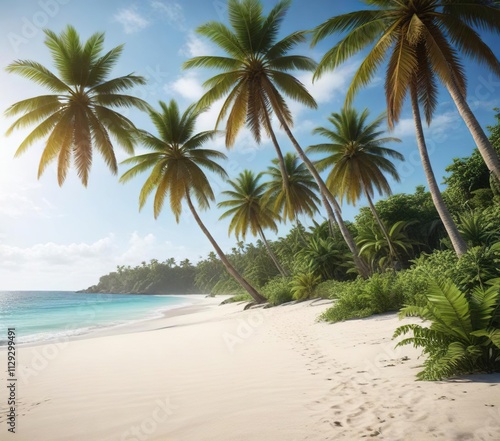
[(300, 195), (380, 248), (302, 285), (78, 116), (357, 158), (249, 211), (255, 79), (176, 164)]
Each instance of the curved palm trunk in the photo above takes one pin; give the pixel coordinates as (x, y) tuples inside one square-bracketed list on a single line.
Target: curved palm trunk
[(272, 255), (382, 226), (457, 241), (259, 298), (327, 197), (484, 146)]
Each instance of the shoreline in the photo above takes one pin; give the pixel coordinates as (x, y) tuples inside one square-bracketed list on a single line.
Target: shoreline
[(148, 322), (222, 373)]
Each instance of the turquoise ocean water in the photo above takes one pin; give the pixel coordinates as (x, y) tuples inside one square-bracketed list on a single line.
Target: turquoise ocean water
[(41, 316)]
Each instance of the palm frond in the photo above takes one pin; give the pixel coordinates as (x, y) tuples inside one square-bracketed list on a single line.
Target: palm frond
[(39, 74)]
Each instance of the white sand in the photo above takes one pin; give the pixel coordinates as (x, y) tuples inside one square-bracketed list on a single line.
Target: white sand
[(227, 374)]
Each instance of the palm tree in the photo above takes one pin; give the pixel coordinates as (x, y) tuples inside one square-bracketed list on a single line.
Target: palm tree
[(419, 38), (357, 158), (300, 196), (425, 35), (78, 116), (176, 164), (249, 211), (377, 247), (254, 72), (255, 81)]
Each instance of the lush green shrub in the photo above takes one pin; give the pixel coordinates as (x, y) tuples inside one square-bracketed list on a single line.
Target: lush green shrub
[(278, 291), (384, 292), (476, 267), (476, 229), (329, 289), (463, 336), (362, 298), (303, 285)]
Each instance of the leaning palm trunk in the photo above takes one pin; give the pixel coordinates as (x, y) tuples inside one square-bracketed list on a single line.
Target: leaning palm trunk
[(273, 257), (279, 153), (363, 269), (330, 214), (230, 268), (483, 144), (383, 228), (457, 241)]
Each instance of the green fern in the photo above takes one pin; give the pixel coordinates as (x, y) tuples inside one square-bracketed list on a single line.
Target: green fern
[(463, 336)]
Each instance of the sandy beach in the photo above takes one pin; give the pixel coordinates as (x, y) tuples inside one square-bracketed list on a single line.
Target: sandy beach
[(209, 372)]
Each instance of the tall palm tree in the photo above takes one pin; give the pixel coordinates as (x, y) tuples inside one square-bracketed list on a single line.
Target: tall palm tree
[(255, 70), (78, 115), (176, 164), (357, 158), (249, 211), (419, 38), (255, 79), (423, 34), (300, 196)]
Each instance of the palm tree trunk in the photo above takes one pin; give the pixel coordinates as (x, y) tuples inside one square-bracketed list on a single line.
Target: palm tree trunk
[(300, 233), (272, 255), (327, 196), (383, 228), (330, 214), (484, 146), (457, 241), (279, 153), (259, 298)]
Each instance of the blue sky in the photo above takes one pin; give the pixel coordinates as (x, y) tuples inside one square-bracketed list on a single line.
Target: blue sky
[(65, 238)]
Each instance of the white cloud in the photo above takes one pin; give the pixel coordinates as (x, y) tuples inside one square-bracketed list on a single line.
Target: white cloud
[(131, 20), (405, 127), (55, 254), (172, 11), (331, 84), (16, 205), (139, 248), (195, 47), (79, 265), (441, 127), (188, 86)]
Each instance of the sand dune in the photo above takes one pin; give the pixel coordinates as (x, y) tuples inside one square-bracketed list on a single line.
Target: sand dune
[(221, 373)]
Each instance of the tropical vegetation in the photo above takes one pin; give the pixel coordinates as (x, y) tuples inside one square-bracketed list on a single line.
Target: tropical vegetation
[(431, 253)]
